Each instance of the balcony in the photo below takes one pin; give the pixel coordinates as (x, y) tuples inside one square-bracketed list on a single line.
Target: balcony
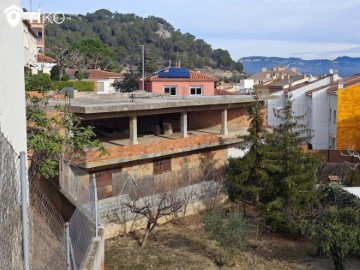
[(122, 150)]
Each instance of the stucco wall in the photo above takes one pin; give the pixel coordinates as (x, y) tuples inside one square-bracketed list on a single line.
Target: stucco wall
[(183, 88), (12, 101), (348, 118)]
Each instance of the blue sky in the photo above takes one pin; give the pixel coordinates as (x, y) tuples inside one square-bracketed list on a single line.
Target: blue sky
[(310, 29)]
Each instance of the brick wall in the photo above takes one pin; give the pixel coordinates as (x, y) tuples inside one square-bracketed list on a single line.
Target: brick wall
[(111, 182), (149, 148), (237, 119)]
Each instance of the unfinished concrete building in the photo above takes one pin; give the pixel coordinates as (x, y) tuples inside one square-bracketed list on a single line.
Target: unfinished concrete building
[(167, 143)]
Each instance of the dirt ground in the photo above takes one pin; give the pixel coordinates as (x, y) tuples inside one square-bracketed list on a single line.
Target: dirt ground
[(183, 245)]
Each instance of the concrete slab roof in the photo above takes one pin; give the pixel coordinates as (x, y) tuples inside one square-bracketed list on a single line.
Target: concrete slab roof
[(114, 103)]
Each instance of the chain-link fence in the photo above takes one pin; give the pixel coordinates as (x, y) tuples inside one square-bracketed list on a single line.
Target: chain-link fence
[(47, 232), (10, 208), (83, 223), (33, 233)]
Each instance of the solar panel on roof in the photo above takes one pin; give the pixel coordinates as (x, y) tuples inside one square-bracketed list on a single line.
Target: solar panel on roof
[(175, 73)]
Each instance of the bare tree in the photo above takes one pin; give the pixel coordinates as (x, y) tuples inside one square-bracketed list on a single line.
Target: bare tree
[(67, 57), (153, 205), (97, 61), (351, 152)]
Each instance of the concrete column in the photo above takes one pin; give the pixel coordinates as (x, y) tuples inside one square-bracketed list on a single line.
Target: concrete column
[(184, 124), (224, 126), (133, 129)]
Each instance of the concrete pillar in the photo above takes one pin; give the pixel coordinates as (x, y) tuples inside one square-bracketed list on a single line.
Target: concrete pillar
[(224, 126), (184, 124), (133, 129)]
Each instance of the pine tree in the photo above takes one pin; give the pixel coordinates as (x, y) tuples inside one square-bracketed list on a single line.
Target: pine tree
[(245, 176), (293, 182)]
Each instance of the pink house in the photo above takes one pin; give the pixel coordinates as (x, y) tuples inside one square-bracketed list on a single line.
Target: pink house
[(176, 81)]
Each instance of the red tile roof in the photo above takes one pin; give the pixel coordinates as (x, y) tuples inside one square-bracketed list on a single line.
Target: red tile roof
[(352, 80), (194, 76), (221, 92), (45, 59), (97, 74), (355, 79)]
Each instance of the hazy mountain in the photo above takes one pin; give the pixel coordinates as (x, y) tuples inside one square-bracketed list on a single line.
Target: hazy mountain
[(346, 66)]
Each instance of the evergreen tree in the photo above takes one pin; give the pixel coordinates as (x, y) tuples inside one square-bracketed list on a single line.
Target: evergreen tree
[(293, 181), (128, 84), (246, 176)]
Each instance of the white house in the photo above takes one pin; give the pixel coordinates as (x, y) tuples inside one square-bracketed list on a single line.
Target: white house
[(30, 49), (309, 99), (45, 63), (246, 86), (104, 79), (12, 86)]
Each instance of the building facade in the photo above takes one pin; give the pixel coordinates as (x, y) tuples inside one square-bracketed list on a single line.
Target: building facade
[(176, 81), (346, 115), (168, 143), (311, 100), (30, 51)]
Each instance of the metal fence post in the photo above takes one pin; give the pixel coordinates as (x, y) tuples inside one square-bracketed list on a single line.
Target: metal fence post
[(67, 239), (95, 206), (24, 210)]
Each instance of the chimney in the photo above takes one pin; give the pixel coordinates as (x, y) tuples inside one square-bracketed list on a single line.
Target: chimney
[(341, 84)]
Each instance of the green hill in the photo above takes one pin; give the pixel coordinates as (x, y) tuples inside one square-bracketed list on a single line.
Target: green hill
[(124, 33)]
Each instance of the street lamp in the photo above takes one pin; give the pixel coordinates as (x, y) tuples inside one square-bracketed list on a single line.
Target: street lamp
[(143, 66)]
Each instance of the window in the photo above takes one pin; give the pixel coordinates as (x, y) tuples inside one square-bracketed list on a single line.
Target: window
[(195, 90), (334, 116), (162, 166), (171, 90), (330, 115)]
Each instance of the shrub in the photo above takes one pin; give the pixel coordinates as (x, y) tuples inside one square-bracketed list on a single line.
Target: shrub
[(87, 86), (229, 228), (40, 82), (65, 78)]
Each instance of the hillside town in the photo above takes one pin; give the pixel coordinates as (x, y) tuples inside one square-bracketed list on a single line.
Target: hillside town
[(116, 157)]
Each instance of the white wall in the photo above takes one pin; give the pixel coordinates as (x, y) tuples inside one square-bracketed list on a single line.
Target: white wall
[(320, 119), (236, 152), (316, 108), (332, 123), (12, 101), (103, 87), (30, 49), (43, 67), (247, 84)]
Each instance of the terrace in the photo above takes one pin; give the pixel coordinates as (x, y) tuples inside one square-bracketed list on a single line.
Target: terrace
[(156, 127)]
